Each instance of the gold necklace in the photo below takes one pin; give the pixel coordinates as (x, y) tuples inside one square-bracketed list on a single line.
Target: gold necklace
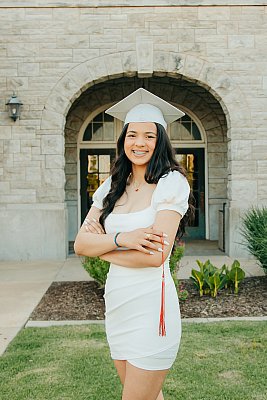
[(137, 188)]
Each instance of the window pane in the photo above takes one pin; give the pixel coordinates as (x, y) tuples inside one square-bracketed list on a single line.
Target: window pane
[(186, 118), (104, 163), (108, 118), (175, 131), (97, 131), (181, 158), (187, 161), (186, 132), (195, 132), (92, 163), (88, 133), (98, 171), (103, 177), (98, 118), (108, 131), (92, 180)]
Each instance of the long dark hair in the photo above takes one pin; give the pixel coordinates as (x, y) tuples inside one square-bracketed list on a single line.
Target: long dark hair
[(162, 161)]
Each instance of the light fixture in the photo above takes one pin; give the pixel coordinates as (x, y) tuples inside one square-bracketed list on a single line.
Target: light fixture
[(14, 105)]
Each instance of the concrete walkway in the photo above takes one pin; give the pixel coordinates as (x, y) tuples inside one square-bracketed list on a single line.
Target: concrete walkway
[(23, 284)]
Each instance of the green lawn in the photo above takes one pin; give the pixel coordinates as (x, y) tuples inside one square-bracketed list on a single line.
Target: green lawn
[(216, 361)]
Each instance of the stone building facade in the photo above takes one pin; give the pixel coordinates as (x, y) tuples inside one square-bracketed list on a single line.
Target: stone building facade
[(67, 63)]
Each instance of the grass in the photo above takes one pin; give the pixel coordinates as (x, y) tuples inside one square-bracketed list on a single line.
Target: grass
[(216, 361)]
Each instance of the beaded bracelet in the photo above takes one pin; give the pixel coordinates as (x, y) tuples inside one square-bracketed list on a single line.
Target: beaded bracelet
[(115, 239)]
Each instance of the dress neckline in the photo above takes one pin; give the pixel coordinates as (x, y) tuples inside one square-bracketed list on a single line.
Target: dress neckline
[(139, 211), (134, 212)]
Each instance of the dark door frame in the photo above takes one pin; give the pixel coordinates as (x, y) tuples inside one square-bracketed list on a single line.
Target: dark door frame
[(199, 230)]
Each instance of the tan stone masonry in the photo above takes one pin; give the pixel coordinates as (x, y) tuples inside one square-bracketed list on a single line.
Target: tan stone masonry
[(53, 56)]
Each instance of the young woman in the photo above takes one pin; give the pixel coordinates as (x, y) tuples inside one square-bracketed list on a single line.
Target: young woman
[(132, 224)]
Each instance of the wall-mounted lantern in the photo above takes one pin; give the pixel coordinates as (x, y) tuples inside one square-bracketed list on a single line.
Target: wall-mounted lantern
[(14, 105)]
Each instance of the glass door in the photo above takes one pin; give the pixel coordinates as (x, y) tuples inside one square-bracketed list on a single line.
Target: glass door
[(95, 168), (193, 161)]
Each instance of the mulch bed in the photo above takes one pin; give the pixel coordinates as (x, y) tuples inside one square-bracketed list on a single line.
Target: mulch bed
[(84, 301)]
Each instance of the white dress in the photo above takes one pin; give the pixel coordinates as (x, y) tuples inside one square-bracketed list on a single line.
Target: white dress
[(133, 295)]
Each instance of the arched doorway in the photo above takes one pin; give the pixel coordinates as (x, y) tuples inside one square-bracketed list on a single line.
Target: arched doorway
[(199, 139), (209, 92), (97, 150)]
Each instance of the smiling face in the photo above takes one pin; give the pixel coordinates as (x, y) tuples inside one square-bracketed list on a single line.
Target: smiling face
[(140, 142)]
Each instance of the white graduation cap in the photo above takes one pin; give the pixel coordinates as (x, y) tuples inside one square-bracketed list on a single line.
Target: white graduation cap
[(143, 106)]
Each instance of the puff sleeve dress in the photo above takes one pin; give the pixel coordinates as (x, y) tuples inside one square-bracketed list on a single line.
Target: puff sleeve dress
[(133, 295)]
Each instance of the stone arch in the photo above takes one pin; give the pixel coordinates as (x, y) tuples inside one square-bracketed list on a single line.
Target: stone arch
[(172, 64), (165, 64)]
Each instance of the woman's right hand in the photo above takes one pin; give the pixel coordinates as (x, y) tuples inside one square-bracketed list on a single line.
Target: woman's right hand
[(146, 240)]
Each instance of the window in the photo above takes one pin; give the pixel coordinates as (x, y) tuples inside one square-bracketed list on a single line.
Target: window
[(100, 129), (98, 171), (184, 129), (103, 129)]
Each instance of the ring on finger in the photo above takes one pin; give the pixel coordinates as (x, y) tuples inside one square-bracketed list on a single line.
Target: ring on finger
[(148, 236)]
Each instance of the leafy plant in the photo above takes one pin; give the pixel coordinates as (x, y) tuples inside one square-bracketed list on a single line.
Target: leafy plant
[(254, 230), (198, 279), (210, 279), (236, 275), (182, 292), (203, 279), (97, 269), (215, 282), (175, 258), (225, 271)]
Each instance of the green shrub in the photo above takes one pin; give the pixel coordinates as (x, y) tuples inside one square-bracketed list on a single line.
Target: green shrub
[(97, 269), (182, 292), (254, 230), (210, 279), (175, 258)]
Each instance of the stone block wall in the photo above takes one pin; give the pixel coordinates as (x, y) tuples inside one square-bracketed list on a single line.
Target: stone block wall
[(50, 55)]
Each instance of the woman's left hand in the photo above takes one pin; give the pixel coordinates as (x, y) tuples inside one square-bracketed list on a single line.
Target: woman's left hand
[(93, 226)]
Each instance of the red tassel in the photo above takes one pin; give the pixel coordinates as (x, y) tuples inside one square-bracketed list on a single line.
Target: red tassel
[(162, 327)]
